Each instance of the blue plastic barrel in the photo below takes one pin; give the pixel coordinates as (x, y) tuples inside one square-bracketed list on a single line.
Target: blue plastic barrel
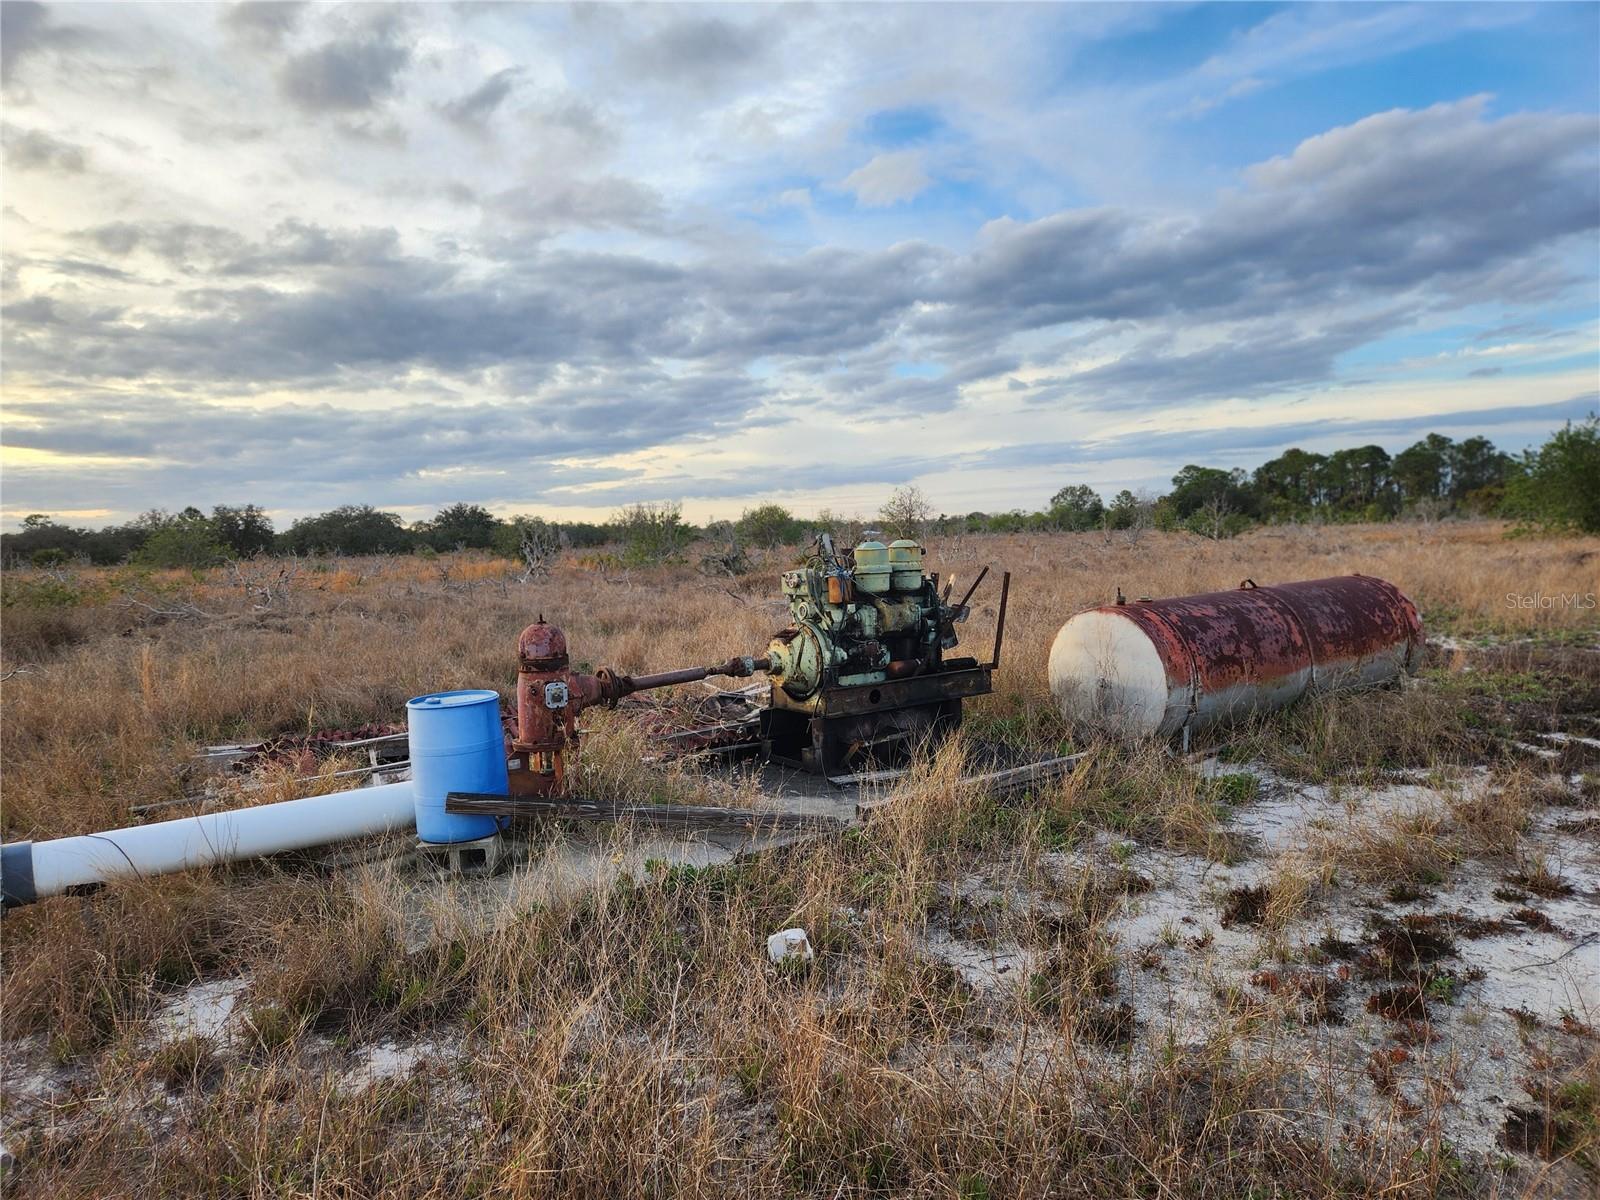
[(457, 745)]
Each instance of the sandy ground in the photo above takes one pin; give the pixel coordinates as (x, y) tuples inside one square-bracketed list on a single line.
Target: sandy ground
[(1521, 972), (1188, 972)]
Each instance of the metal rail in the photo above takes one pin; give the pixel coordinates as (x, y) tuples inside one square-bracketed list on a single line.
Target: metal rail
[(679, 816), (1000, 620)]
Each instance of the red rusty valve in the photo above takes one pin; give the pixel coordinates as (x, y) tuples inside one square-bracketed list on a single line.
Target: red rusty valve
[(550, 695), (549, 698)]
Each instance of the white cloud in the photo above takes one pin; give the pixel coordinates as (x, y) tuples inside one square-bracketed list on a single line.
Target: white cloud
[(888, 179), (645, 262)]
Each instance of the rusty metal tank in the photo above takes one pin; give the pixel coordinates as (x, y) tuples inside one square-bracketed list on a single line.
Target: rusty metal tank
[(1161, 668)]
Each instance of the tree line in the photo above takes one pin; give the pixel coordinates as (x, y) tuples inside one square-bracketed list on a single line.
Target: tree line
[(194, 538), (1556, 486)]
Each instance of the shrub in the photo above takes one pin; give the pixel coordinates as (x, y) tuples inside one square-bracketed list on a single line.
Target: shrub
[(1560, 488), (39, 593), (652, 533), (182, 544), (769, 525)]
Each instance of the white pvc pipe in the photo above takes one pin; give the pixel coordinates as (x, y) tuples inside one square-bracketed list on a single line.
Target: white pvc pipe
[(30, 870)]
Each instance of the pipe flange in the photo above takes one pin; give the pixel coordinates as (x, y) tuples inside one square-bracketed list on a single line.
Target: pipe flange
[(611, 689)]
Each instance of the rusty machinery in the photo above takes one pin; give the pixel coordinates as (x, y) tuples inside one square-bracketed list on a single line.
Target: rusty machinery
[(861, 669), (863, 664), (1172, 668)]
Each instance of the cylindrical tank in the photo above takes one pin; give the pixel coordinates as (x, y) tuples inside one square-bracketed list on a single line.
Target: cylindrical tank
[(905, 565), (457, 745), (1161, 667), (871, 570)]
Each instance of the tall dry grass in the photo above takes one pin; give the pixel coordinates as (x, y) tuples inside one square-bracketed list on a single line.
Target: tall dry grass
[(630, 1037), (634, 1041), (102, 719)]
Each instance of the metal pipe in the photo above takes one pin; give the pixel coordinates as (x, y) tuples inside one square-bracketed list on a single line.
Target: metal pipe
[(737, 667), (974, 587), (31, 870)]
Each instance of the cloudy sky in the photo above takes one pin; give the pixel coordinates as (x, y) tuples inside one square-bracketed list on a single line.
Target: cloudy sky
[(556, 259)]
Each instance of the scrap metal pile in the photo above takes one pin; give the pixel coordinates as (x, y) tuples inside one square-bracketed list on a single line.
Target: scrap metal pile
[(304, 752)]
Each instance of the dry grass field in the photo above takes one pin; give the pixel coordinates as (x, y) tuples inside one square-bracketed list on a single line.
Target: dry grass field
[(1349, 952)]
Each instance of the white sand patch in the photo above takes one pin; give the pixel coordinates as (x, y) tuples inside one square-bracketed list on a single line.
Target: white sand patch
[(388, 1060), (201, 1010)]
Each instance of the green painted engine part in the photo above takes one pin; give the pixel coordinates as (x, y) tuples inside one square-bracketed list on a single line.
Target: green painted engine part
[(873, 572), (852, 620), (905, 565)]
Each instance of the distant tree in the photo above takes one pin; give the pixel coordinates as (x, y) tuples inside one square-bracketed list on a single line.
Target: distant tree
[(586, 533), (462, 525), (113, 544), (1286, 487), (653, 532), (1422, 470), (1194, 487), (1129, 512), (350, 529), (531, 541), (1076, 507), (1217, 518), (846, 530), (246, 530), (187, 541), (905, 513), (40, 534), (1014, 521), (510, 534), (1475, 465), (1356, 482), (1559, 487), (768, 525), (104, 547)]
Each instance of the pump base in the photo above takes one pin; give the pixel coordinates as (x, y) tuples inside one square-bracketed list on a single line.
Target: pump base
[(482, 856), (846, 729)]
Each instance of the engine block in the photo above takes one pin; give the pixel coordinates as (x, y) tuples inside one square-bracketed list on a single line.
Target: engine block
[(862, 665)]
